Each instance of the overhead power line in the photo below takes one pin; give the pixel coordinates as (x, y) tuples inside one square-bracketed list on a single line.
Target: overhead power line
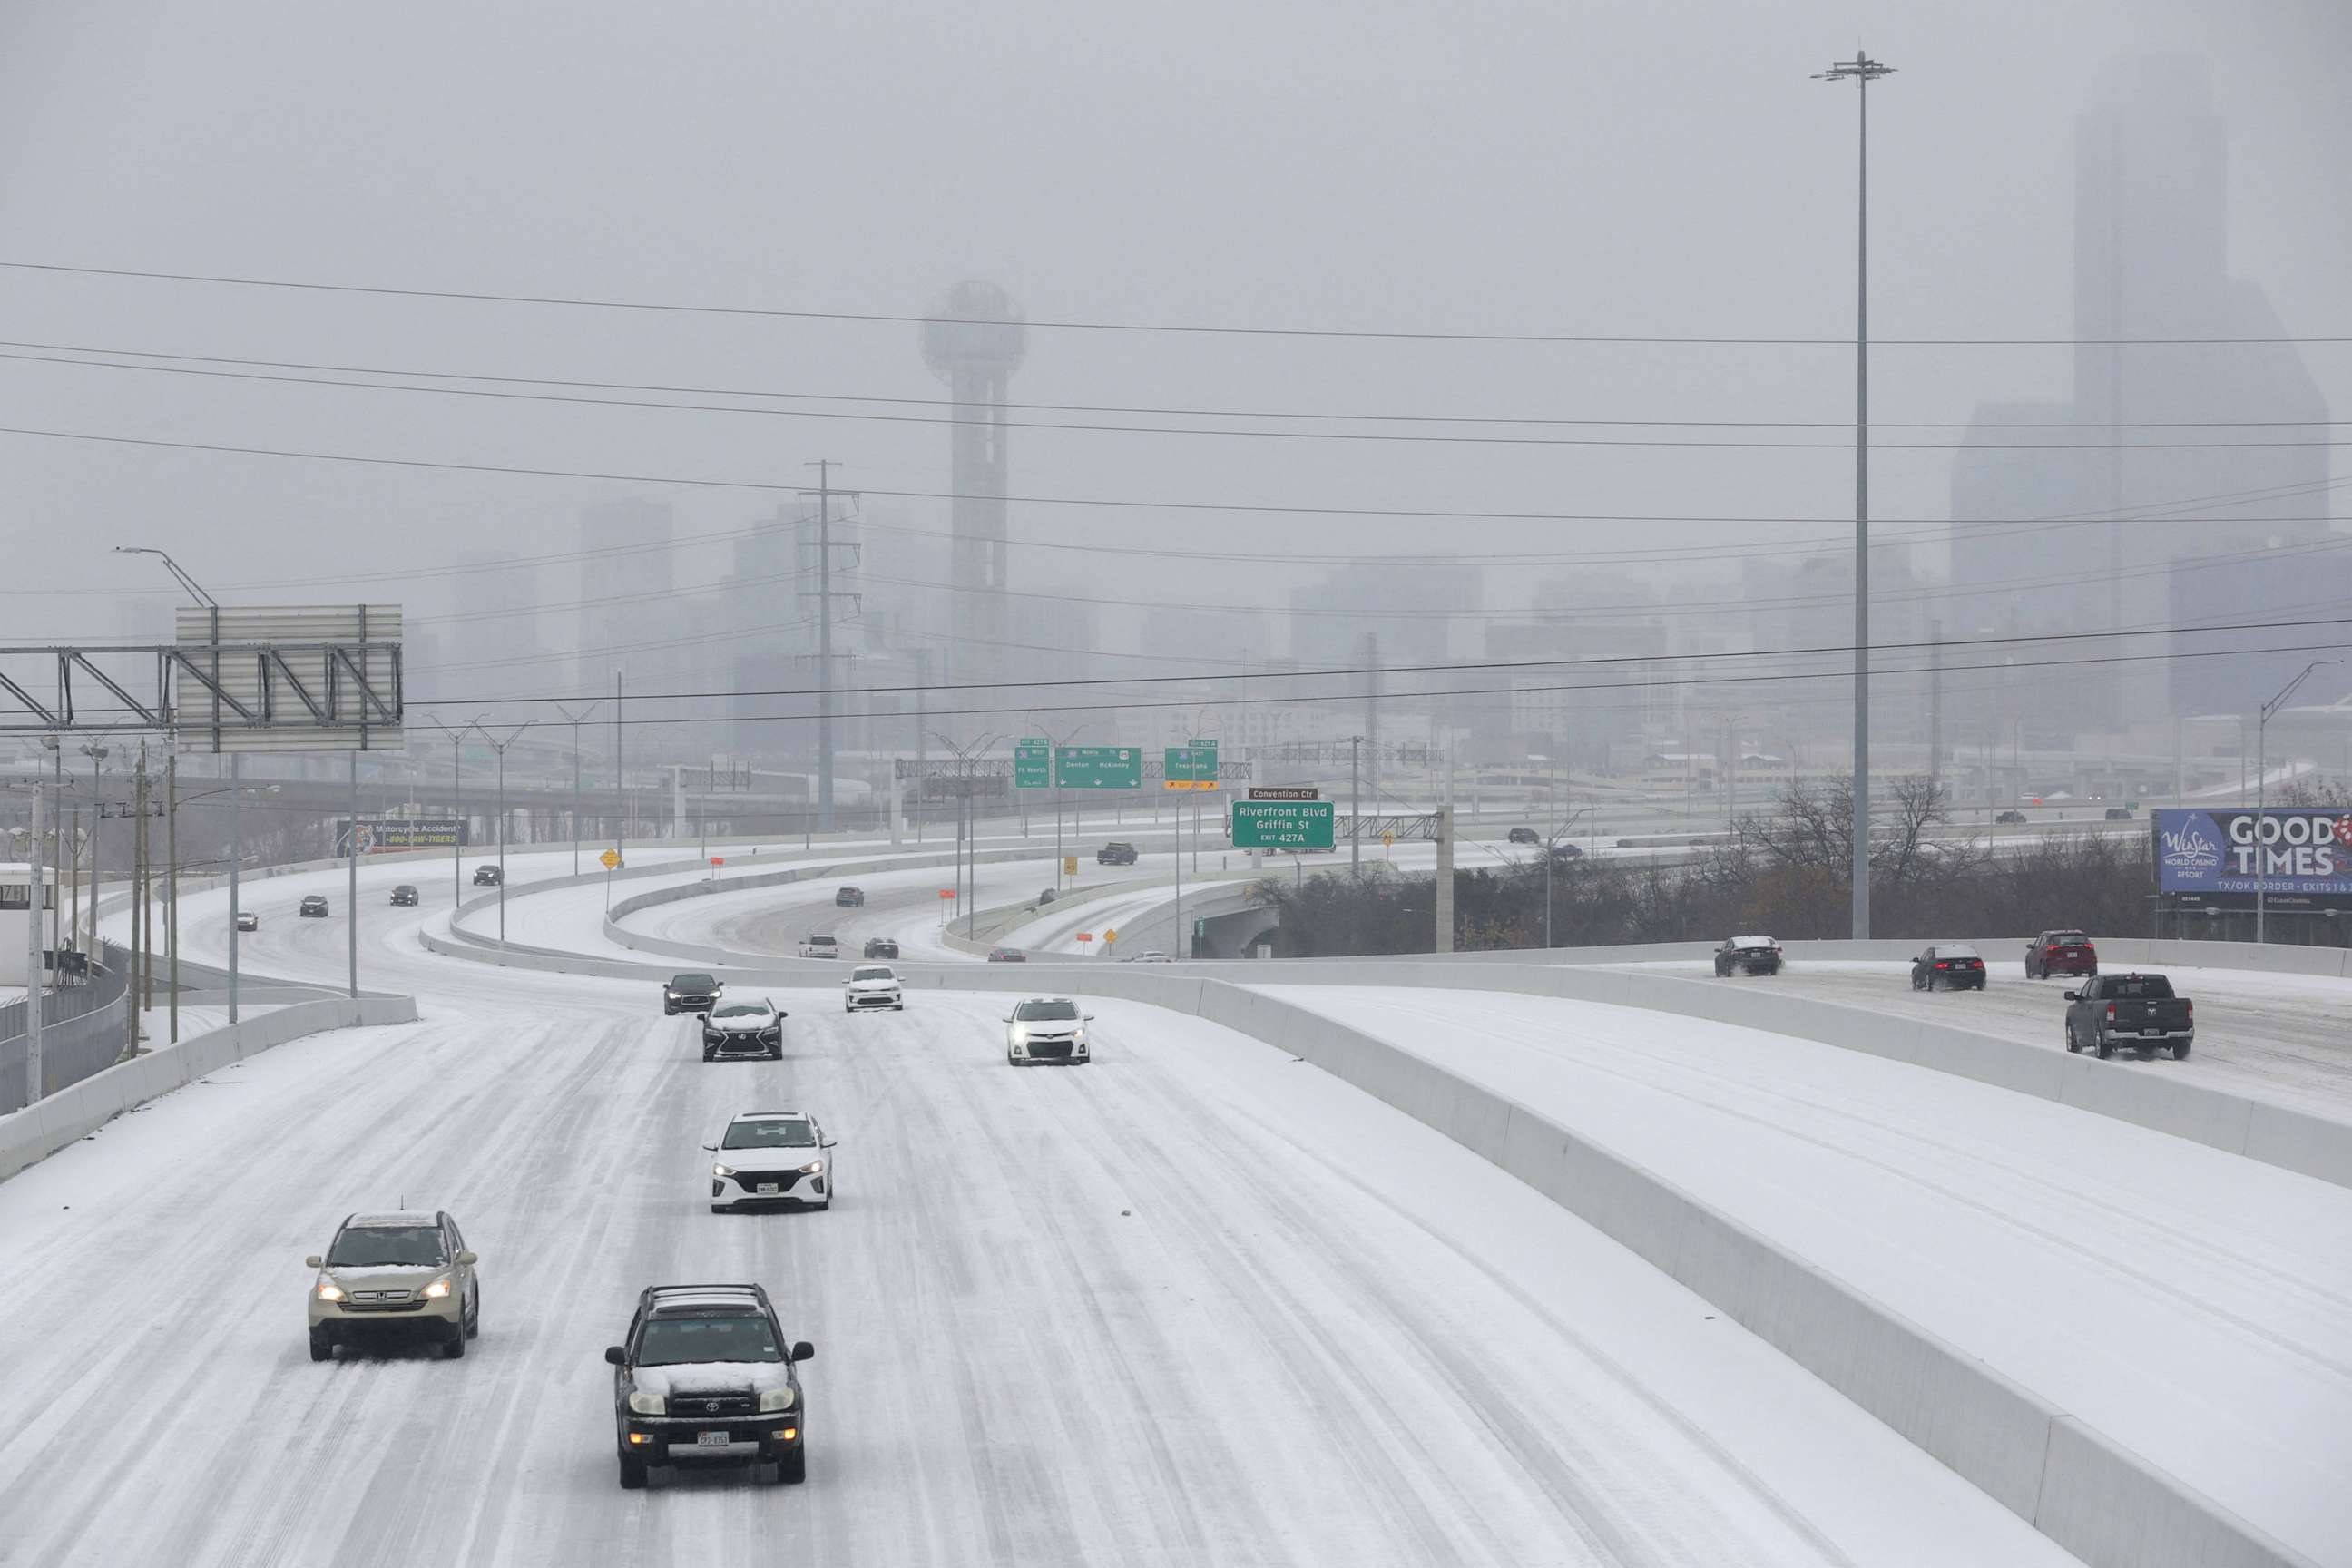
[(40, 353), (1630, 658), (576, 301), (1394, 437), (772, 487)]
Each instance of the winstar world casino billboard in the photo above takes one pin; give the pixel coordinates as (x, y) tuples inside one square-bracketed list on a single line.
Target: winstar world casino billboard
[(2300, 851)]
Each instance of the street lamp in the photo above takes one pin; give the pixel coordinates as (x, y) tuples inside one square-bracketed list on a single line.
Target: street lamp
[(1861, 70), (174, 800), (500, 748), (96, 755), (2261, 772), (574, 719)]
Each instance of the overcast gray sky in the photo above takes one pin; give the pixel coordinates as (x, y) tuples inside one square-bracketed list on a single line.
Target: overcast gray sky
[(1622, 168)]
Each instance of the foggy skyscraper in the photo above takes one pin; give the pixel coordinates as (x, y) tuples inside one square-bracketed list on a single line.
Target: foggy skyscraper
[(974, 341)]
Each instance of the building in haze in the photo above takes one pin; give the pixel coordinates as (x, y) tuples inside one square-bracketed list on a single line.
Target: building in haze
[(973, 340), (2144, 521), (628, 623)]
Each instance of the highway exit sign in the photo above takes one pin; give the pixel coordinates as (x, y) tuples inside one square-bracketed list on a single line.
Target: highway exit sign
[(1033, 762), (1283, 823), (1189, 767), (1098, 767)]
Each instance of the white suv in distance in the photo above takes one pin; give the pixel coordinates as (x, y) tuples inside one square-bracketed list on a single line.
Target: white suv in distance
[(820, 947), (394, 1276), (1047, 1030), (872, 985), (772, 1157)]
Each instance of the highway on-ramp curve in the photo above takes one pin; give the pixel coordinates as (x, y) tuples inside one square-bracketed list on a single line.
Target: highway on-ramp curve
[(1196, 1303)]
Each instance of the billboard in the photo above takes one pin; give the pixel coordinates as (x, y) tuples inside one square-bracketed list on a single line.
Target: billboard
[(288, 678), (391, 837), (2287, 850)]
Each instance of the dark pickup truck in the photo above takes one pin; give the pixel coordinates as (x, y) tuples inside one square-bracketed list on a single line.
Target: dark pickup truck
[(2112, 1010)]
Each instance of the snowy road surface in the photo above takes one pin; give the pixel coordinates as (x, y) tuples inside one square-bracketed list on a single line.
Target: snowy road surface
[(2283, 1038), (1196, 1303), (2189, 1303)]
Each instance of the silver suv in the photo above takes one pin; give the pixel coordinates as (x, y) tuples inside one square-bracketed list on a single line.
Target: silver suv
[(391, 1276)]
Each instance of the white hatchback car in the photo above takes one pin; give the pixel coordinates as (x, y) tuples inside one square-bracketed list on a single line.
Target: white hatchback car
[(772, 1158), (820, 947), (872, 985), (1047, 1030)]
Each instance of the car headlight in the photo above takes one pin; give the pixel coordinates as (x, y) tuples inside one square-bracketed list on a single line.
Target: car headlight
[(330, 1292), (648, 1403), (1020, 1035), (722, 1170), (436, 1290), (777, 1399), (814, 1168)]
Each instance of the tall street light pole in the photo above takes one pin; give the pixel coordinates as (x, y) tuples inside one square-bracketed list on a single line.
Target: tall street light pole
[(2261, 780), (1861, 70), (574, 719), (499, 747)]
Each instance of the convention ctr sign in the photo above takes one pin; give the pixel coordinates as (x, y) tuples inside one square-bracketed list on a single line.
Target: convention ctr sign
[(2286, 850)]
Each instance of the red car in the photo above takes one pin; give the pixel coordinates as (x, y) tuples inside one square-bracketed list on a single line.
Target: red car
[(2060, 952)]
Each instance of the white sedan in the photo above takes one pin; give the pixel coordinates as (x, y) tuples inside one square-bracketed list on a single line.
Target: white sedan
[(1047, 1030), (872, 985)]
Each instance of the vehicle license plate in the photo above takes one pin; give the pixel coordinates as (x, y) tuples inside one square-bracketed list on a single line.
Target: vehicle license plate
[(710, 1439), (2151, 1031), (767, 1186)]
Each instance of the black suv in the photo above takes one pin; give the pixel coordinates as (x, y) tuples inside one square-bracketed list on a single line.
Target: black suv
[(881, 947), (2011, 819), (704, 1377), (1524, 835), (849, 898), (314, 905), (488, 877), (404, 897), (1115, 854), (691, 994)]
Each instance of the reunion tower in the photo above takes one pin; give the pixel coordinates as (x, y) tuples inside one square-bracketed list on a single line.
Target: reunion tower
[(974, 340)]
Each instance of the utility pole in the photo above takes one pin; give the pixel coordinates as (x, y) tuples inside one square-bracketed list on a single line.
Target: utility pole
[(351, 884), (236, 864), (171, 880), (922, 734), (2262, 778), (1355, 803), (824, 596), (1373, 705), (1935, 702), (574, 719), (620, 775), (1862, 70), (499, 747), (35, 993)]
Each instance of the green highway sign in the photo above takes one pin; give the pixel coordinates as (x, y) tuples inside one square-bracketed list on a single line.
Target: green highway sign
[(1283, 823), (1189, 767), (1098, 767), (1033, 763)]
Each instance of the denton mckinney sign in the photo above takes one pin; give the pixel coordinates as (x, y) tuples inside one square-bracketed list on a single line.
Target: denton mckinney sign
[(2291, 849)]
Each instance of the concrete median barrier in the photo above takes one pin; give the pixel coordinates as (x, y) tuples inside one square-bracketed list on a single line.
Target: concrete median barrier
[(72, 1113)]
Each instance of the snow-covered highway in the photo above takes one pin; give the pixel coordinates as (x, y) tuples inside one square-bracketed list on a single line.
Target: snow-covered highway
[(1195, 1303)]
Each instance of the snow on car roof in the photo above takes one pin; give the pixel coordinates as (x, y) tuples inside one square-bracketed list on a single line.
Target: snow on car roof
[(1956, 950), (1751, 942), (771, 1116), (375, 1221)]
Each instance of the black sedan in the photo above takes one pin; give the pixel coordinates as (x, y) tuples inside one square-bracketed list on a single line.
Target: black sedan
[(403, 897), (1007, 955), (1948, 966), (314, 906), (881, 947), (1748, 955), (1524, 836)]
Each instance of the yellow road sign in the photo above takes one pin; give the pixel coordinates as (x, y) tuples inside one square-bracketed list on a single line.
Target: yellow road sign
[(1109, 935), (612, 860), (1069, 864)]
